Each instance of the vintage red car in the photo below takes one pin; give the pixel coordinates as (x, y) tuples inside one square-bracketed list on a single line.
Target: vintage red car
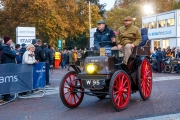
[(108, 75)]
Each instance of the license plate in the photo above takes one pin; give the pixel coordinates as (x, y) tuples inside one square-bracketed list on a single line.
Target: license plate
[(93, 83)]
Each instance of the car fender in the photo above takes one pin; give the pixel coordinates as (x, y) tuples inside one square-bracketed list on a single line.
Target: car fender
[(141, 58)]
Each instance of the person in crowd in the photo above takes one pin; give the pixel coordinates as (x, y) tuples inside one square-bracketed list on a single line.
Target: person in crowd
[(144, 35), (79, 57), (169, 53), (64, 59), (104, 36), (29, 55), (33, 41), (57, 61), (38, 49), (7, 56), (1, 42), (67, 61), (164, 52), (71, 58), (173, 51), (83, 55), (75, 56), (154, 54), (18, 57), (23, 49), (159, 58), (178, 53), (48, 59), (128, 36)]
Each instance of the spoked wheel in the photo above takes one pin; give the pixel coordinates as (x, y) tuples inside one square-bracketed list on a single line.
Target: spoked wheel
[(120, 90), (167, 68), (145, 79), (68, 93)]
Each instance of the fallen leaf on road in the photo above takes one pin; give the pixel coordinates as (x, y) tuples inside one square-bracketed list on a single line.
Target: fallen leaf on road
[(28, 116)]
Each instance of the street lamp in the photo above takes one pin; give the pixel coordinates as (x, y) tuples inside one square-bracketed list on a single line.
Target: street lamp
[(134, 20)]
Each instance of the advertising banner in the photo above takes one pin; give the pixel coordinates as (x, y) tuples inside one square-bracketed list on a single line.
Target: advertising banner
[(15, 78), (39, 72), (162, 33)]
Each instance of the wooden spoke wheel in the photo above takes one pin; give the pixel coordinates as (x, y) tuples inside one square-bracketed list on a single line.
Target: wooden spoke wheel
[(145, 79), (68, 93), (120, 90)]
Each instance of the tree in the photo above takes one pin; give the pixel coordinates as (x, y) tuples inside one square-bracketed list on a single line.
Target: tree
[(53, 19), (115, 17)]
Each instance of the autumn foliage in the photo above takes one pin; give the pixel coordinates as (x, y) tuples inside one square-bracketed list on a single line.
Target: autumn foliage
[(53, 19)]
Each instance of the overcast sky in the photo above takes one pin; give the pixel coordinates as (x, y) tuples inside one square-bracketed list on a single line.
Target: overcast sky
[(110, 3)]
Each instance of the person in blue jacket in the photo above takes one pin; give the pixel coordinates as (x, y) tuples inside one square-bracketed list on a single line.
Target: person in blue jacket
[(104, 36), (144, 34), (18, 57)]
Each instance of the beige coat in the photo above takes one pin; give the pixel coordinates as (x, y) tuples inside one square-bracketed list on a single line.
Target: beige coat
[(128, 35)]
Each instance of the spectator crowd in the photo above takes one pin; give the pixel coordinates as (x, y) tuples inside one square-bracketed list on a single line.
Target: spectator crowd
[(39, 52), (159, 56)]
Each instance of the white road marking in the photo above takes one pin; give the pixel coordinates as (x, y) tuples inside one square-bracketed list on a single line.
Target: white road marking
[(163, 117), (166, 78)]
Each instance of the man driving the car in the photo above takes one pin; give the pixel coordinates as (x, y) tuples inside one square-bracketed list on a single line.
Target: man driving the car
[(128, 36), (104, 36)]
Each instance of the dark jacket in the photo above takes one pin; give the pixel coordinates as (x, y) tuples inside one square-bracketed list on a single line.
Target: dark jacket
[(23, 50), (159, 55), (18, 57), (178, 55), (49, 56), (8, 56), (38, 53), (104, 36), (144, 35)]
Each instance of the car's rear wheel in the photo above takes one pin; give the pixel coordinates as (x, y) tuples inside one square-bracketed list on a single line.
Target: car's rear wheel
[(145, 79), (69, 95), (120, 90)]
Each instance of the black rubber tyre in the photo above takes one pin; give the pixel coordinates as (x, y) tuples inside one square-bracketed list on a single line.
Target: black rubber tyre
[(167, 68)]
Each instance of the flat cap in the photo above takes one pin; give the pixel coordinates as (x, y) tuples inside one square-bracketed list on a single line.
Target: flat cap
[(101, 22), (128, 18)]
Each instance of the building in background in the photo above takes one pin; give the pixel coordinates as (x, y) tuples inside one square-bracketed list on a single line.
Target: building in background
[(163, 29)]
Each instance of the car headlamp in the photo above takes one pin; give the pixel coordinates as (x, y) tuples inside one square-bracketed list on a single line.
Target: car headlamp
[(91, 68)]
